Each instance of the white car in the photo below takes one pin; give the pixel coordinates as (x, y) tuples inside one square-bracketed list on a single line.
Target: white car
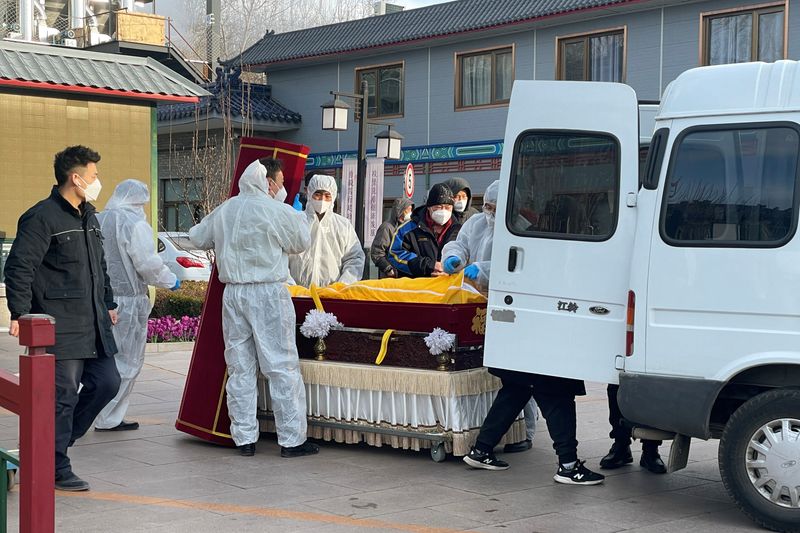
[(182, 258)]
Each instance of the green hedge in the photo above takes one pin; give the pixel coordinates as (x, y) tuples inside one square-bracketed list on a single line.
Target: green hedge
[(186, 301)]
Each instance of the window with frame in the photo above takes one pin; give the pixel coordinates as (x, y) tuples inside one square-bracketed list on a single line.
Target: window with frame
[(592, 57), (484, 78), (180, 205), (565, 185), (731, 187), (384, 90), (751, 35)]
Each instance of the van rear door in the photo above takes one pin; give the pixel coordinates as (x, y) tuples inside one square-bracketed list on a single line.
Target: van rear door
[(565, 226)]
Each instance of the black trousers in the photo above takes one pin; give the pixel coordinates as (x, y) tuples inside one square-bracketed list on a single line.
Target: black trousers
[(75, 412), (557, 409), (621, 432)]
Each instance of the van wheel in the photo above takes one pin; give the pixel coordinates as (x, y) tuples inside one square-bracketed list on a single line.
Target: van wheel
[(759, 459)]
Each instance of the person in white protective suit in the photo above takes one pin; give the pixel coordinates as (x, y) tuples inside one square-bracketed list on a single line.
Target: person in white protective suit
[(336, 253), (472, 252), (252, 235), (132, 264)]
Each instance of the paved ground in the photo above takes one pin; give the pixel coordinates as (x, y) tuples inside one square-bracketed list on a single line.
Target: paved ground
[(158, 479)]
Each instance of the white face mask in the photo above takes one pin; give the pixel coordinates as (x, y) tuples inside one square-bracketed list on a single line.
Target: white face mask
[(441, 216), (92, 192), (406, 217), (489, 218), (320, 206), (460, 205), (280, 195)]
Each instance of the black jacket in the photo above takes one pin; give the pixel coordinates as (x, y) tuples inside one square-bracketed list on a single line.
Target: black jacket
[(415, 250), (56, 266), (550, 385)]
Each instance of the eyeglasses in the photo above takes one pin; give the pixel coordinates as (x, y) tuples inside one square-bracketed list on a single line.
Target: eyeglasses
[(488, 208)]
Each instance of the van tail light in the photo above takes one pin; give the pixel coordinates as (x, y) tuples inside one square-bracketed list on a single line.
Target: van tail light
[(188, 262), (629, 324)]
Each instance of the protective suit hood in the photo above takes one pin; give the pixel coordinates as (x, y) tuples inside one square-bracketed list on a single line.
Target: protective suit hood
[(131, 195), (322, 182), (490, 196), (254, 179), (400, 205)]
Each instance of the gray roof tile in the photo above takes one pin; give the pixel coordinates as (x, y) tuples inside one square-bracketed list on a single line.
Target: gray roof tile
[(416, 24), (51, 65)]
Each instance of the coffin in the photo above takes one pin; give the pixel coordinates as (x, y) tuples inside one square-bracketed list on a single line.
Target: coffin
[(366, 323)]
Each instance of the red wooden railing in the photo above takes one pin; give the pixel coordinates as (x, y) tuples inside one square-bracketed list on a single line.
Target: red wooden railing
[(32, 397)]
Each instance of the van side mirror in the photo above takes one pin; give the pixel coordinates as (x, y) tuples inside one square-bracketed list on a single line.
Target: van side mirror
[(655, 158)]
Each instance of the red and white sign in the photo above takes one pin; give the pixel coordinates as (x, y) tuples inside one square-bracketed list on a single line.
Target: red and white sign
[(408, 181)]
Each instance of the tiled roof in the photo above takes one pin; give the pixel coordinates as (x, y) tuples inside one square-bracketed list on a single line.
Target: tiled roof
[(68, 69), (229, 93), (434, 21)]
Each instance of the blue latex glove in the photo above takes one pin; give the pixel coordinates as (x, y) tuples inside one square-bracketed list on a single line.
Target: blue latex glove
[(176, 286), (297, 204), (451, 264), (472, 271)]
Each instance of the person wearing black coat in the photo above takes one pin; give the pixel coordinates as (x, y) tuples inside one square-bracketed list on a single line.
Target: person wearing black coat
[(555, 397), (56, 266), (400, 214)]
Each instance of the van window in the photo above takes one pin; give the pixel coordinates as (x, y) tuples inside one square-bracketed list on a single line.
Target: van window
[(732, 187), (564, 185)]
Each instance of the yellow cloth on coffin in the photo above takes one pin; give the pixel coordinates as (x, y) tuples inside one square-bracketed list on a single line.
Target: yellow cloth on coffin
[(438, 290)]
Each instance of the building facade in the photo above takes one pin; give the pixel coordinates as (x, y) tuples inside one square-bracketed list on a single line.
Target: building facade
[(443, 74), (52, 97)]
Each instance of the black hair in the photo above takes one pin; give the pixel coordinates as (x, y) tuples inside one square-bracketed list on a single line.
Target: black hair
[(272, 166), (69, 158)]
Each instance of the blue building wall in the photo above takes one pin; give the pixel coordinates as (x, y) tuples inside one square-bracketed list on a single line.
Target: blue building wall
[(660, 44)]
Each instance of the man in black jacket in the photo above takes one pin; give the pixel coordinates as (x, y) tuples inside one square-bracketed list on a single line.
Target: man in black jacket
[(56, 266)]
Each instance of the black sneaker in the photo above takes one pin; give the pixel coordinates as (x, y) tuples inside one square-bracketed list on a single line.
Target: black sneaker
[(478, 459), (247, 450), (577, 475), (307, 448), (619, 455), (70, 482)]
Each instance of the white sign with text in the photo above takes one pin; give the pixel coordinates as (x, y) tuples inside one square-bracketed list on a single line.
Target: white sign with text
[(373, 217), (348, 194)]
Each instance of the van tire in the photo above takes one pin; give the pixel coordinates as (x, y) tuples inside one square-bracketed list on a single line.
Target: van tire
[(742, 425)]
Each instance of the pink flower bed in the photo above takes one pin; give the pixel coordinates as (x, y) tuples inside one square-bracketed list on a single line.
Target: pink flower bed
[(170, 329)]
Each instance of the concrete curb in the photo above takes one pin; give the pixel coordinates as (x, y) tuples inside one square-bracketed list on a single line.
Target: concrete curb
[(162, 347)]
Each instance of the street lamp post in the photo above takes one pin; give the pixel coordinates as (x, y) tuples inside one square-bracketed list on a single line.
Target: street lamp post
[(334, 118)]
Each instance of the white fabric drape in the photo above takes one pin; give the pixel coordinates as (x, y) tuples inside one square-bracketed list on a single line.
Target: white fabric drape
[(606, 58), (770, 37), (730, 39), (476, 80), (459, 417)]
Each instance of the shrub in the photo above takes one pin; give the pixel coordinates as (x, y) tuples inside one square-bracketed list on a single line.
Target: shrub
[(186, 301), (169, 329)]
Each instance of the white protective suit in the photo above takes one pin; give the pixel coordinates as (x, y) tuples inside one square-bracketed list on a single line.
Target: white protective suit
[(132, 264), (336, 253), (474, 245), (252, 236)]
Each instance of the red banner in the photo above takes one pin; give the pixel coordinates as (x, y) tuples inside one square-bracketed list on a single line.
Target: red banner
[(204, 411)]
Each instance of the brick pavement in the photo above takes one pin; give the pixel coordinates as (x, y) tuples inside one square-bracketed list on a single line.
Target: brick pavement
[(158, 479)]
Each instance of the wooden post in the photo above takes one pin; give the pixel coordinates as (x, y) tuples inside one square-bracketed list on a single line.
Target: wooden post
[(37, 425)]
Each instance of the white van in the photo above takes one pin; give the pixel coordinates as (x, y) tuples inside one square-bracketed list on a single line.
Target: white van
[(684, 288)]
